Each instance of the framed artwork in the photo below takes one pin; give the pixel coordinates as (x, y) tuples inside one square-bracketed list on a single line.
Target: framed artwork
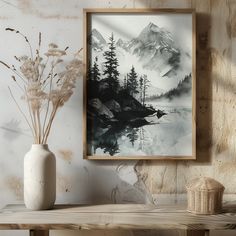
[(139, 84)]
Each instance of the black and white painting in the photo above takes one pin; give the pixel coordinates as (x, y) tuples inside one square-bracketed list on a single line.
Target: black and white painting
[(140, 85)]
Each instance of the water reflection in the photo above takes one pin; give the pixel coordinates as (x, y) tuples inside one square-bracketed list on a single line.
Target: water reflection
[(109, 140)]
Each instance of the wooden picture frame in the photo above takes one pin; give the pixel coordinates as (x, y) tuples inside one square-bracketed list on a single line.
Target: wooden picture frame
[(148, 111)]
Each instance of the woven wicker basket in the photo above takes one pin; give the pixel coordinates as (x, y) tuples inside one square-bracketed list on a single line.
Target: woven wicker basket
[(204, 196)]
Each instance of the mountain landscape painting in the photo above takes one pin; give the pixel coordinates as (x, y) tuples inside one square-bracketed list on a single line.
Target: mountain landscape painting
[(140, 84)]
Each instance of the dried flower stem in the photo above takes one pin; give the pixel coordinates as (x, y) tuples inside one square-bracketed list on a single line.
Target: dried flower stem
[(13, 70), (30, 113), (19, 86), (50, 124), (35, 128), (42, 71), (39, 126), (51, 119), (18, 106), (45, 118), (48, 102), (40, 37), (5, 64), (18, 74), (26, 39)]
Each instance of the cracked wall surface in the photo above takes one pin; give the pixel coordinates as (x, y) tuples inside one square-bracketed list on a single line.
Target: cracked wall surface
[(154, 182)]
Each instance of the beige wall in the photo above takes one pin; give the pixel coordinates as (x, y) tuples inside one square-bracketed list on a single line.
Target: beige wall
[(144, 181)]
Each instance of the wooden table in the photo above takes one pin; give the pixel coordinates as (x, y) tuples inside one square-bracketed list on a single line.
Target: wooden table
[(108, 217)]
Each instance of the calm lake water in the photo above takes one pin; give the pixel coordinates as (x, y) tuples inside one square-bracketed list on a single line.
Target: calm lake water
[(169, 135)]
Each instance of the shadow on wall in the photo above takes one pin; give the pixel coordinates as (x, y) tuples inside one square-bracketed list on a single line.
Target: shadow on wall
[(203, 90), (116, 182)]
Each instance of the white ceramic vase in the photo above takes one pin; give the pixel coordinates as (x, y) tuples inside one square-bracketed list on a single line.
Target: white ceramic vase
[(39, 178)]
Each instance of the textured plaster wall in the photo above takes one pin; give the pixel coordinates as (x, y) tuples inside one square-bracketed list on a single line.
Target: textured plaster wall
[(121, 181)]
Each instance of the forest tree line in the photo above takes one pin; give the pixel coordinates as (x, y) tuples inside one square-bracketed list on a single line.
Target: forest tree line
[(133, 84)]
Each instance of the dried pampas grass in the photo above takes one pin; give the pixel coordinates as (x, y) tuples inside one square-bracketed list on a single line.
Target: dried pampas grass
[(44, 85)]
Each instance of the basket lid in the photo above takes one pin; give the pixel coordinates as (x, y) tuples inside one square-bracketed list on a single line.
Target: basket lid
[(204, 183)]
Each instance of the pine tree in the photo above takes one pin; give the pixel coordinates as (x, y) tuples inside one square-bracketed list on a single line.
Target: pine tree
[(132, 83), (95, 73), (125, 83), (133, 135), (145, 86), (110, 66), (141, 138), (141, 89)]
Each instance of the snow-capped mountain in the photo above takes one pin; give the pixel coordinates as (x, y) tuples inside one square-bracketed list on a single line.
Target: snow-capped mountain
[(154, 36), (154, 47), (96, 40), (120, 43)]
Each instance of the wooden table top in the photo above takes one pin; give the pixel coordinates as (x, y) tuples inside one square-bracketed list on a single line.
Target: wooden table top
[(125, 216)]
